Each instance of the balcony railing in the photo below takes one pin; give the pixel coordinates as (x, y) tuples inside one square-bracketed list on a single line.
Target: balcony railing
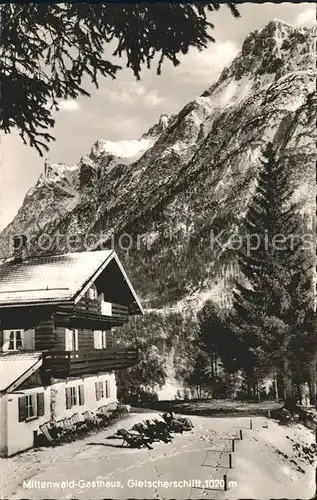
[(93, 314), (70, 364)]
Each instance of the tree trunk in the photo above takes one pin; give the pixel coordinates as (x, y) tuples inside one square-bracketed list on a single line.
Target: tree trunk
[(312, 382), (312, 393), (212, 372), (249, 384), (299, 394), (254, 387), (289, 397), (258, 391), (275, 386)]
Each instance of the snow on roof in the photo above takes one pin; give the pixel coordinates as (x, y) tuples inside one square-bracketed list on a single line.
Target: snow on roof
[(14, 365), (49, 279)]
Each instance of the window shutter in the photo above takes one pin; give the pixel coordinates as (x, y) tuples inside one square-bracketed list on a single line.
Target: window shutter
[(81, 395), (104, 339), (97, 339), (107, 388), (67, 340), (75, 340), (29, 340), (6, 340), (68, 398), (22, 408), (40, 404), (97, 391)]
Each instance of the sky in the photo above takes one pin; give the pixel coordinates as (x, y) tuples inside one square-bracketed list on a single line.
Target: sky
[(124, 108)]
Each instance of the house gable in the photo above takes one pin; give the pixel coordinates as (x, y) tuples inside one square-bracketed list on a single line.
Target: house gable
[(64, 279), (112, 281)]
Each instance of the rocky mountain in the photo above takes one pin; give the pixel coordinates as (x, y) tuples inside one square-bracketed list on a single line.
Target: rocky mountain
[(160, 198)]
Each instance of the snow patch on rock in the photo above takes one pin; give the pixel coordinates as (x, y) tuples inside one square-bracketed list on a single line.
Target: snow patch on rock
[(127, 149)]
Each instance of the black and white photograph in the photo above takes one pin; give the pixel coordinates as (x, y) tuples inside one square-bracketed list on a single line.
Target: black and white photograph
[(158, 250)]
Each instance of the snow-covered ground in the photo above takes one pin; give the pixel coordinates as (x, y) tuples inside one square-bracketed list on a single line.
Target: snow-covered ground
[(266, 464)]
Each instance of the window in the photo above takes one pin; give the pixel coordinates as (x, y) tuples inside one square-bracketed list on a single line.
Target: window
[(74, 396), (13, 340), (100, 339), (71, 340), (31, 406), (71, 397), (107, 388), (99, 390)]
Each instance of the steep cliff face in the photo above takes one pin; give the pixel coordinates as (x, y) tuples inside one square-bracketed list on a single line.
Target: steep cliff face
[(159, 199)]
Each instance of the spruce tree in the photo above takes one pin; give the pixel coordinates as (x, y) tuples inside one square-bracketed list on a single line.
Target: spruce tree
[(270, 303), (217, 339), (301, 318), (199, 375)]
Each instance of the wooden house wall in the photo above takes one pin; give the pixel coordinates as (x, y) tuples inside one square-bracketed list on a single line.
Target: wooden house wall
[(34, 380), (49, 331), (87, 304), (94, 305), (85, 339), (38, 319), (48, 336), (45, 335), (109, 339), (59, 338)]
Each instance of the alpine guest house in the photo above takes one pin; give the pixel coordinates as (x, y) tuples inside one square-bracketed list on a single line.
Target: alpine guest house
[(59, 346)]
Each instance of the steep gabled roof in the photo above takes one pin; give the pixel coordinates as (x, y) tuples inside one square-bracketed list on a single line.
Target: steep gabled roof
[(55, 279)]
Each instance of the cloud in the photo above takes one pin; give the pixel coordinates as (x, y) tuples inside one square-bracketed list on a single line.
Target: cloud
[(152, 99), (133, 93), (68, 105), (307, 17), (208, 63)]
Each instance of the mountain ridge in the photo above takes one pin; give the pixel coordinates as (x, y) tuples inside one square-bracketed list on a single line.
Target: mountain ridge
[(195, 174)]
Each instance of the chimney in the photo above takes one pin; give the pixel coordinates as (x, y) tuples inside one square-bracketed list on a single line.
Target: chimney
[(19, 248)]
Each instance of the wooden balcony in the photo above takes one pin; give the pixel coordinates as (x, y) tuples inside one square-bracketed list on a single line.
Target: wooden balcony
[(99, 306), (62, 364), (92, 314)]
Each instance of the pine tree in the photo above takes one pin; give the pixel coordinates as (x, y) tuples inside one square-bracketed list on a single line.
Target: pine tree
[(199, 376), (218, 340), (302, 320), (270, 303)]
